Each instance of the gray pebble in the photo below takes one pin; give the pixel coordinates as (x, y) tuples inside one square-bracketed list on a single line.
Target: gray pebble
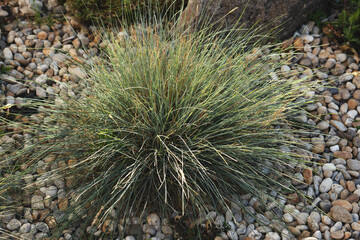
[(232, 235), (8, 54), (40, 92), (37, 202), (10, 100), (13, 224), (353, 164), (42, 227), (341, 57), (25, 228), (241, 229), (325, 185), (339, 125), (51, 191)]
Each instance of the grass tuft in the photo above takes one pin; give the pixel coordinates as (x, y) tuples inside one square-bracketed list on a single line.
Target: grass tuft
[(167, 121)]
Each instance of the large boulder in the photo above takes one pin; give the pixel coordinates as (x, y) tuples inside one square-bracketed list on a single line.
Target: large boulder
[(226, 13)]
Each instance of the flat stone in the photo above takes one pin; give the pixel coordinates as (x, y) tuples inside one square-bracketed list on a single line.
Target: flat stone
[(343, 154), (343, 203), (320, 148), (339, 125), (347, 77), (332, 141), (76, 71), (58, 57), (353, 164), (307, 38), (337, 234), (353, 198), (340, 214)]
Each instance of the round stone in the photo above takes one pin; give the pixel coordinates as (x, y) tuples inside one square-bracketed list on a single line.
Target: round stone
[(356, 94), (325, 185), (341, 57), (37, 202), (232, 235), (42, 227), (153, 220), (340, 214), (272, 236), (308, 38), (51, 191), (42, 35), (8, 54), (337, 234), (353, 103), (13, 224), (353, 164), (323, 125), (241, 229), (329, 167), (40, 92), (355, 226), (25, 228), (285, 68)]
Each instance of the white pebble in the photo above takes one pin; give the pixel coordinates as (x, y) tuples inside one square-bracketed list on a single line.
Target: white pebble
[(352, 114), (334, 148), (329, 166)]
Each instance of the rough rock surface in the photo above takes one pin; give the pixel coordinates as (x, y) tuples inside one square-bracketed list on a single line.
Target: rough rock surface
[(295, 12)]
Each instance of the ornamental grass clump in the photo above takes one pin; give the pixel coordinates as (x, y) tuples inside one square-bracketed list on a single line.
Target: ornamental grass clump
[(166, 121)]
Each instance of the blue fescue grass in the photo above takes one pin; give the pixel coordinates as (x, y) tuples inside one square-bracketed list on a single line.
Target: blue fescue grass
[(169, 120)]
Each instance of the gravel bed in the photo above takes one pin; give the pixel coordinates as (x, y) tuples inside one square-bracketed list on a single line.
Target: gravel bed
[(37, 56)]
